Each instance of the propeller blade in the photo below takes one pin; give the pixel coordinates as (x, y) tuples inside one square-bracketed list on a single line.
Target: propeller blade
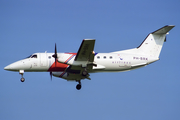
[(51, 75), (55, 54), (55, 49)]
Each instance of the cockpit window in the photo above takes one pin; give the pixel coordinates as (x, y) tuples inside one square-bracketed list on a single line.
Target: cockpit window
[(34, 56)]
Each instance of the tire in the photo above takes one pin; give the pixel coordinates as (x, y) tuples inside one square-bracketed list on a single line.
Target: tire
[(78, 86)]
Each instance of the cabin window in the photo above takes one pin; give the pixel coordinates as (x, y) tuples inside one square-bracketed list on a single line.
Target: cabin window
[(98, 57), (110, 57), (34, 56), (104, 57), (49, 57)]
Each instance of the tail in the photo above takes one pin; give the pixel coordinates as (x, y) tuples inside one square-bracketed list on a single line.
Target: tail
[(153, 43)]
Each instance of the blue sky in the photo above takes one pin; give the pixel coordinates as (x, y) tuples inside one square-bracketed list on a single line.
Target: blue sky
[(33, 26)]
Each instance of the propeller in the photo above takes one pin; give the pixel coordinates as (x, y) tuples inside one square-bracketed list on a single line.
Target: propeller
[(55, 57), (51, 75), (55, 54)]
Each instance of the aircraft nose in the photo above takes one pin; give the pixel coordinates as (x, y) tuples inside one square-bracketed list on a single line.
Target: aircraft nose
[(19, 65), (12, 67), (7, 67)]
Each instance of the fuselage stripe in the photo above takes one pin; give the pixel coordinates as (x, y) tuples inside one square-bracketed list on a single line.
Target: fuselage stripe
[(62, 74), (69, 59)]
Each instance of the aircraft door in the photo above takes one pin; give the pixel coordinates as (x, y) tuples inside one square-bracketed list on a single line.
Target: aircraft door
[(43, 59)]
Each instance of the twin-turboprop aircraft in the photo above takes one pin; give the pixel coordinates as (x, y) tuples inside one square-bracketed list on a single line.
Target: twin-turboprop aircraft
[(78, 66)]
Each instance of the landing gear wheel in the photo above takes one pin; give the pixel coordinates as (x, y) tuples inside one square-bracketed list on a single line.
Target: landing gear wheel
[(22, 79), (78, 86), (84, 73)]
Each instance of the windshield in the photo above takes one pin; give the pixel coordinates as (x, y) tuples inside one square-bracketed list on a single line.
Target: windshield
[(32, 56)]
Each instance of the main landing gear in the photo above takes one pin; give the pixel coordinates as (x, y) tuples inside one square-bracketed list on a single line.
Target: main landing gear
[(84, 73), (22, 78), (78, 86)]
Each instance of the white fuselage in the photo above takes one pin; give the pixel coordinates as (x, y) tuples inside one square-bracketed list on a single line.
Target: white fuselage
[(77, 66), (106, 62)]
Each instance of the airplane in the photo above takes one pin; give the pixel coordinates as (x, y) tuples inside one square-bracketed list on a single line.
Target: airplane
[(78, 66)]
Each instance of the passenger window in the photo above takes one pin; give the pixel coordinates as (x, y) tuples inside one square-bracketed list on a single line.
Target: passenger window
[(110, 57), (98, 57), (34, 56), (104, 57)]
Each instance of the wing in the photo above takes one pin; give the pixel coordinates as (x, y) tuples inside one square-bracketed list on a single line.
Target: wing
[(85, 52), (84, 58)]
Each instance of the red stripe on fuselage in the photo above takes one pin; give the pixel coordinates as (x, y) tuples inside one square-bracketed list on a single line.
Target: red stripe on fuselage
[(58, 67), (71, 53), (69, 58)]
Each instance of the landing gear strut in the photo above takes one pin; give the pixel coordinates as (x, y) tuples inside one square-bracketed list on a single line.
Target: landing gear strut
[(22, 72), (78, 86)]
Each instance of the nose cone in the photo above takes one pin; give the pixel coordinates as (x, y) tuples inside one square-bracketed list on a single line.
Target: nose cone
[(19, 65), (13, 67), (7, 67)]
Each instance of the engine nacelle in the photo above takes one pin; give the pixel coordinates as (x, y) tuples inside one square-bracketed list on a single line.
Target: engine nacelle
[(66, 58)]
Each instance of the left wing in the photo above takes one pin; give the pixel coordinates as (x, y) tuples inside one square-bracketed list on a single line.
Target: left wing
[(85, 52), (84, 58)]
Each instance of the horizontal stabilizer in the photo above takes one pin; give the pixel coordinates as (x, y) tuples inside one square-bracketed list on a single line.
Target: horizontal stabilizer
[(163, 30)]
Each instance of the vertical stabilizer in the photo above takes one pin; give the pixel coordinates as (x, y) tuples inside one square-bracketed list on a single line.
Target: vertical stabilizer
[(153, 43)]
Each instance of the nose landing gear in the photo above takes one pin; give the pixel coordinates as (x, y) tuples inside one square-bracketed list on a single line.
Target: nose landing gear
[(22, 78)]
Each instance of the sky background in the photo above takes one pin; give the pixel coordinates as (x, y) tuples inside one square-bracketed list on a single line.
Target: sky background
[(29, 26)]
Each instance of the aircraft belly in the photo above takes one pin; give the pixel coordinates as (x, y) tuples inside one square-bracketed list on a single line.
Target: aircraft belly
[(111, 68), (68, 76)]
